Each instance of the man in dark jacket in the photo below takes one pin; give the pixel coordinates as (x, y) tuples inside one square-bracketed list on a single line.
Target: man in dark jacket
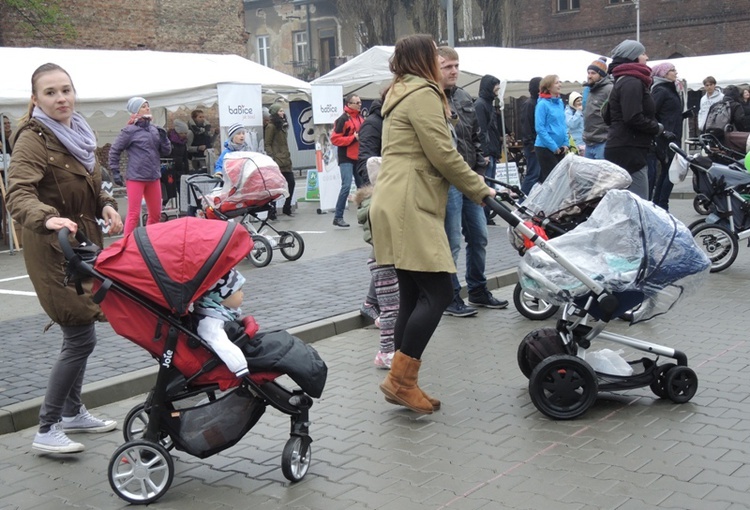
[(461, 213), (370, 139), (489, 128), (528, 136)]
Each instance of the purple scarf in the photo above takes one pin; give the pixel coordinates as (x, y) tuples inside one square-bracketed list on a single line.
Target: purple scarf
[(79, 139)]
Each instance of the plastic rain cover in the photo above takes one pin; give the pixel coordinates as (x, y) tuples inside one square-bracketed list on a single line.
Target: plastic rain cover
[(627, 244), (250, 179)]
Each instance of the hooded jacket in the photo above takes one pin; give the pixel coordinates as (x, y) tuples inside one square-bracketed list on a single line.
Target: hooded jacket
[(146, 145), (468, 134), (276, 143), (45, 180), (668, 104), (528, 108), (407, 212), (370, 138), (487, 118)]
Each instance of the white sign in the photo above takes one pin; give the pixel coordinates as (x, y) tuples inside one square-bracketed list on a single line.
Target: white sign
[(327, 103), (240, 103), (507, 172)]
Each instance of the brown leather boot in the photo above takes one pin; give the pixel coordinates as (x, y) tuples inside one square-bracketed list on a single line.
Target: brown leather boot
[(400, 385), (435, 402)]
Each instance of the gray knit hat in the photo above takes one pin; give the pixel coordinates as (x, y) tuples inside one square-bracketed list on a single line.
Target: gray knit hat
[(628, 50), (135, 103), (234, 129)]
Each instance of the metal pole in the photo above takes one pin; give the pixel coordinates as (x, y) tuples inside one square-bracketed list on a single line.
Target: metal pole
[(451, 36), (637, 20), (309, 38)]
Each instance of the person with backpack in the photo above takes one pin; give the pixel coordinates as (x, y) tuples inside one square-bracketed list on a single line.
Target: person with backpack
[(727, 114), (712, 96)]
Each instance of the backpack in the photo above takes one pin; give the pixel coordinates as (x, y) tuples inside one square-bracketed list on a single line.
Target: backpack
[(719, 119)]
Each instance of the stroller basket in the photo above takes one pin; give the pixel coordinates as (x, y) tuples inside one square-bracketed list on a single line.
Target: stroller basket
[(207, 429)]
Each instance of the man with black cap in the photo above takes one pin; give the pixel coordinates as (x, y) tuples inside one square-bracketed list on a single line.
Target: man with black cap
[(594, 128), (631, 114)]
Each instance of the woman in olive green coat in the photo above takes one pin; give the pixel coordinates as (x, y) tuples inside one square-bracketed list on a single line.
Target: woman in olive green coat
[(407, 213), (277, 146), (54, 182)]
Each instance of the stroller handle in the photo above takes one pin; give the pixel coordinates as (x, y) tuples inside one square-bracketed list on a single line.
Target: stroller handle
[(676, 149), (502, 210), (515, 189), (203, 178), (78, 258)]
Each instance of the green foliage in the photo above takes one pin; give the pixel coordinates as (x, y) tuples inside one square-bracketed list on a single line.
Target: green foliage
[(42, 18)]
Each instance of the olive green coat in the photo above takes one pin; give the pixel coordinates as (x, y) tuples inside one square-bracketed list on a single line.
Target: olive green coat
[(275, 142), (45, 180), (407, 213)]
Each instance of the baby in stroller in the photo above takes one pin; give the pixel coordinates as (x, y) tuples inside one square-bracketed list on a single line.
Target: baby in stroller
[(220, 304)]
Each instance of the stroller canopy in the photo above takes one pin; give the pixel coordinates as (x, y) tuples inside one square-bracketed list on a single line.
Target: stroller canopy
[(575, 180), (175, 262)]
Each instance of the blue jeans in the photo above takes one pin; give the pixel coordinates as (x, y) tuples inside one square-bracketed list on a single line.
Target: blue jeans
[(532, 169), (465, 217), (595, 151), (347, 170)]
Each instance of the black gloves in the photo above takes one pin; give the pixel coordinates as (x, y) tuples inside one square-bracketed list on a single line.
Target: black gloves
[(118, 181), (162, 132), (669, 136)]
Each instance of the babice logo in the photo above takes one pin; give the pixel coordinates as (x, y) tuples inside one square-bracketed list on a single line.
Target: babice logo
[(329, 108), (240, 110)]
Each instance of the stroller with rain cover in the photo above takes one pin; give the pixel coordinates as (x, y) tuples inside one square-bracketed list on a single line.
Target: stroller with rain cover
[(628, 255), (197, 404), (563, 201), (251, 183), (727, 188), (731, 153)]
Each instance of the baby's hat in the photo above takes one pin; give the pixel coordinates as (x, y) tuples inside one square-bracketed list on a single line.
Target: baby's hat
[(226, 286)]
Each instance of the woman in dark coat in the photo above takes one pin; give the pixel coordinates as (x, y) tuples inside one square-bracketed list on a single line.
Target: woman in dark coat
[(669, 107)]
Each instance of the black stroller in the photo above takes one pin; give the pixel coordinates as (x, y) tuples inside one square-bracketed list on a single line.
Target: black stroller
[(730, 153), (727, 189), (563, 201), (197, 404), (629, 255), (249, 187)]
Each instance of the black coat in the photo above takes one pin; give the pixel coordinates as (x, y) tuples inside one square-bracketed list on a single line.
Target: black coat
[(487, 117), (370, 139), (468, 135), (668, 104)]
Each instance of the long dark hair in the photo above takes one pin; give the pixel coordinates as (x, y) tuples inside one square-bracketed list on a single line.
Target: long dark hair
[(418, 55)]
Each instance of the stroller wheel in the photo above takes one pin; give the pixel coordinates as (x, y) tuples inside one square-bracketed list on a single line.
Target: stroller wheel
[(701, 204), (295, 459), (531, 307), (136, 422), (262, 252), (718, 242), (563, 387), (140, 472), (659, 384), (291, 244), (681, 384)]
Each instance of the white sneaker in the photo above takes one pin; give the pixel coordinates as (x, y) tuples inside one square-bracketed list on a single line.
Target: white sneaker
[(85, 422), (383, 360), (55, 441)]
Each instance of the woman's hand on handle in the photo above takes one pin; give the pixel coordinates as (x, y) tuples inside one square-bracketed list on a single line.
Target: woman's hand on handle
[(56, 223), (112, 218)]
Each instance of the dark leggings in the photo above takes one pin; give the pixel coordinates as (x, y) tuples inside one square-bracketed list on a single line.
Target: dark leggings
[(289, 176), (424, 297), (547, 161)]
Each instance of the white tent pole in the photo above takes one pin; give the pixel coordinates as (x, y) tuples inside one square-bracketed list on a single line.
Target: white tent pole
[(10, 233)]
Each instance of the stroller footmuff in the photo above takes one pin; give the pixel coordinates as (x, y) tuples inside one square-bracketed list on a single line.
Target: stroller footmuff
[(197, 404)]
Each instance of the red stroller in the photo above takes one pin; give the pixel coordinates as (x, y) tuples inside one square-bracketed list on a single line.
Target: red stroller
[(197, 404), (251, 183)]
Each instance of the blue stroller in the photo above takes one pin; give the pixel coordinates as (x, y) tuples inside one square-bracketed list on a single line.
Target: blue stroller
[(630, 258)]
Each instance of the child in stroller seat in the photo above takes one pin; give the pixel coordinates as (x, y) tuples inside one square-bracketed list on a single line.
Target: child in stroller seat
[(220, 304)]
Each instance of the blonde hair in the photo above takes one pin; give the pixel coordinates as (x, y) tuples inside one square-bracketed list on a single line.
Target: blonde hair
[(546, 84)]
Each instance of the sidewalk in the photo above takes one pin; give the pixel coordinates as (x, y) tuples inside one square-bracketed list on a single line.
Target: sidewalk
[(487, 448)]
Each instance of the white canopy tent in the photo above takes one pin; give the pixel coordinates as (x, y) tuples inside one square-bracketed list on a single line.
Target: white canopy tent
[(369, 72), (106, 79), (728, 69)]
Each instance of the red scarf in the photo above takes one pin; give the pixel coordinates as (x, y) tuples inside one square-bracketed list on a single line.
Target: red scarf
[(634, 69)]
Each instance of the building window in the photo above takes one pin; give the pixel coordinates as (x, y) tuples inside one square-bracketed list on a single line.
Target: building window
[(618, 1), (300, 47), (264, 51), (568, 5)]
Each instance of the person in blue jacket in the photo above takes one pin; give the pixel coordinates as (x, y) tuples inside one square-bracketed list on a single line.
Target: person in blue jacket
[(235, 142), (552, 140)]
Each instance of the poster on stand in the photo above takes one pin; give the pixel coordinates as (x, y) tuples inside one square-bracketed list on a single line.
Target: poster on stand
[(239, 103), (327, 103), (508, 173)]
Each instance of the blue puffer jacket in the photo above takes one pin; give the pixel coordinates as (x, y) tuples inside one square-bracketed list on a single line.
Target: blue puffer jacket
[(145, 145), (549, 120)]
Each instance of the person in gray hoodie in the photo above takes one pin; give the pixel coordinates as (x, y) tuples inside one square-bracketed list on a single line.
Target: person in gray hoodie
[(594, 128)]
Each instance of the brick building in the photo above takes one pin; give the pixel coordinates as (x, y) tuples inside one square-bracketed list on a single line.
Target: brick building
[(200, 26)]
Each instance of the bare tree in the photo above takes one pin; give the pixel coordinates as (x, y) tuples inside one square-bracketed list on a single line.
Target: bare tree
[(499, 19), (40, 18), (373, 20)]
